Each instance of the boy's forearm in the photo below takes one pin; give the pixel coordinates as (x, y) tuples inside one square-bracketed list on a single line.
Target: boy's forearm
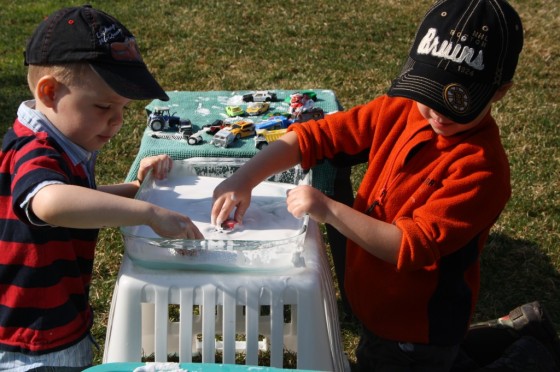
[(127, 190), (278, 156), (79, 207), (381, 239)]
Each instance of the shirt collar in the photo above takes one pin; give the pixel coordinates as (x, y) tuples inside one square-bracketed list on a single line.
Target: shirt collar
[(37, 122)]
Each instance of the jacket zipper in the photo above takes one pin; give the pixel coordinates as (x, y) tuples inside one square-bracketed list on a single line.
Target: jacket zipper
[(376, 202), (386, 187), (382, 194)]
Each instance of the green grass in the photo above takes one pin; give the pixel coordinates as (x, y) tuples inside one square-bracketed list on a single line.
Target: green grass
[(355, 49)]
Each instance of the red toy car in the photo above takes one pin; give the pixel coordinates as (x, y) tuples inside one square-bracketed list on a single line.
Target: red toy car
[(300, 103), (214, 127), (229, 224)]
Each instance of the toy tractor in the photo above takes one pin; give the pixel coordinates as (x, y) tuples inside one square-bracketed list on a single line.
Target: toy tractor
[(160, 119)]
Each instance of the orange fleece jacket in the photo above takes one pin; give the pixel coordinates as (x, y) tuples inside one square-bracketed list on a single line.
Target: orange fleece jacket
[(444, 193)]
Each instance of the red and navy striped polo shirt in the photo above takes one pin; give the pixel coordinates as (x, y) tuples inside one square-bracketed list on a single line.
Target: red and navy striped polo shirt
[(45, 271)]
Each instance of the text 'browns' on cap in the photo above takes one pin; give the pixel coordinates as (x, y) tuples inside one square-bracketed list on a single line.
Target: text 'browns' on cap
[(84, 34), (464, 50)]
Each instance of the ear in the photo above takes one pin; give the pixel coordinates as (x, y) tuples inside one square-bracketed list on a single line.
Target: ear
[(46, 90), (501, 92)]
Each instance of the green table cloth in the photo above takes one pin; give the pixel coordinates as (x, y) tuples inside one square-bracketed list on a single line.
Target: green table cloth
[(203, 108)]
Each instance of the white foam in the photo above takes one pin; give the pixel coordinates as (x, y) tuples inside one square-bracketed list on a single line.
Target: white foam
[(266, 219), (269, 238)]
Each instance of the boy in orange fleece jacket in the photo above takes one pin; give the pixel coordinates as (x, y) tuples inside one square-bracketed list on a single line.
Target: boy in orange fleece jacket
[(437, 180)]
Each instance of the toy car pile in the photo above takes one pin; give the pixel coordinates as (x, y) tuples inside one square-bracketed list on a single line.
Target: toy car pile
[(236, 125)]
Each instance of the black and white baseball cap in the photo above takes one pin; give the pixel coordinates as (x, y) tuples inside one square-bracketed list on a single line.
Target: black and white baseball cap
[(464, 50)]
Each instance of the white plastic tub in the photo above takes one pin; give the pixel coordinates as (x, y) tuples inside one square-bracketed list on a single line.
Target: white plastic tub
[(269, 239)]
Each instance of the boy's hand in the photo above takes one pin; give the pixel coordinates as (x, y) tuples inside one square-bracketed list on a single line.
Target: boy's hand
[(170, 224), (306, 199), (230, 194), (160, 165)]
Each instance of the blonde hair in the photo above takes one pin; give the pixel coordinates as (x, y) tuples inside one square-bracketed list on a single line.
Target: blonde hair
[(70, 74)]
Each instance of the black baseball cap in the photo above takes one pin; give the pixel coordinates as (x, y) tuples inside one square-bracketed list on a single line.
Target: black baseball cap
[(463, 51), (84, 34)]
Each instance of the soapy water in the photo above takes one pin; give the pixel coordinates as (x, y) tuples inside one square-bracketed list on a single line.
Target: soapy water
[(266, 219), (268, 237)]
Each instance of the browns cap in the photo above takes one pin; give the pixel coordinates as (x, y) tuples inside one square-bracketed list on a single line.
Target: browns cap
[(463, 51), (84, 34)]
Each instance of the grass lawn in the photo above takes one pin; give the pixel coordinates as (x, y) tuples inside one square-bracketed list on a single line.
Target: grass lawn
[(355, 49)]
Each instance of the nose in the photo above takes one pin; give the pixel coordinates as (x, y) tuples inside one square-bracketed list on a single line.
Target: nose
[(117, 118), (439, 117)]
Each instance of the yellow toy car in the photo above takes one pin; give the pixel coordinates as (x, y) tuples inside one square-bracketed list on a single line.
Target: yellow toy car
[(264, 136), (242, 129), (257, 108)]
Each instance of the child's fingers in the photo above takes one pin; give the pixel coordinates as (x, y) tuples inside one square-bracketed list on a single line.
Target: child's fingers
[(160, 164), (219, 210)]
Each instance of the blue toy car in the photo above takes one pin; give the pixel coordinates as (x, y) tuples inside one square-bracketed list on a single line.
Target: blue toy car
[(274, 122)]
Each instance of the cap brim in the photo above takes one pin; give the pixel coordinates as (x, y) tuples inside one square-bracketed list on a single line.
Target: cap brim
[(132, 81), (459, 100)]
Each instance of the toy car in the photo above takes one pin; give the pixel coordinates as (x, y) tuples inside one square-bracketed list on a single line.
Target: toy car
[(275, 122), (314, 113), (223, 138), (299, 103), (257, 108), (277, 113), (229, 224), (234, 111), (160, 119), (196, 138), (242, 129), (309, 93), (260, 96), (264, 137), (214, 127)]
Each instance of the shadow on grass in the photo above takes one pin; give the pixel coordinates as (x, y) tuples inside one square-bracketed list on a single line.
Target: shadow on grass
[(514, 272)]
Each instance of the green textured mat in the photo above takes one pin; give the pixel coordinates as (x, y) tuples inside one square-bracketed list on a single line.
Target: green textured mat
[(205, 107)]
